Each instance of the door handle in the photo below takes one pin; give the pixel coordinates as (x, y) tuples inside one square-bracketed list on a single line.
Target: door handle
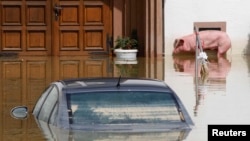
[(57, 11)]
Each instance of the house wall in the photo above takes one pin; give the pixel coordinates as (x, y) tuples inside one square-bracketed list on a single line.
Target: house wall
[(180, 15)]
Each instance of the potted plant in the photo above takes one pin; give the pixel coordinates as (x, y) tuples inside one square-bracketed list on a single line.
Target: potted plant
[(125, 48)]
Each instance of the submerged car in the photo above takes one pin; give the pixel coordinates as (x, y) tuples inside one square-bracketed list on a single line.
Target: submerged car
[(112, 104)]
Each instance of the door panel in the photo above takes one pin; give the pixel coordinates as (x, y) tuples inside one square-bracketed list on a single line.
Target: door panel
[(65, 67), (82, 27), (25, 27)]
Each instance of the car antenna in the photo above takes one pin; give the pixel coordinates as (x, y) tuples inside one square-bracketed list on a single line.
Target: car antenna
[(118, 83)]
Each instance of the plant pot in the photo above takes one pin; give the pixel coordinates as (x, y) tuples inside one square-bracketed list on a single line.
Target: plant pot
[(126, 54)]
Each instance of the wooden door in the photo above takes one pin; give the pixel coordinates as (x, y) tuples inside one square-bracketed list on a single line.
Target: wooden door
[(81, 27), (25, 26), (31, 27)]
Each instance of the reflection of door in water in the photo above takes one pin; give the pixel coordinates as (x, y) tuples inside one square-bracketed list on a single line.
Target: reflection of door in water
[(31, 28), (65, 67), (82, 27)]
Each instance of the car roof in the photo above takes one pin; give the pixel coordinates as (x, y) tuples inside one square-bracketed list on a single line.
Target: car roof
[(112, 82)]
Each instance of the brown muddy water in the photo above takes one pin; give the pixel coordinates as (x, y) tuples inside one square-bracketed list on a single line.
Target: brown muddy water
[(221, 97)]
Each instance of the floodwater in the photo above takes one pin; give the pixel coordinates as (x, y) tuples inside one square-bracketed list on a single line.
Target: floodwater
[(221, 97)]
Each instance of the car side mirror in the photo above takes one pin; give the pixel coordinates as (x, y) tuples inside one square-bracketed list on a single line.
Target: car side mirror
[(19, 112)]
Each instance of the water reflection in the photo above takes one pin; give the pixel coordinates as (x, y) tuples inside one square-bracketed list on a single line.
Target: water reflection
[(218, 67), (51, 132), (23, 79), (127, 68), (222, 96), (214, 80)]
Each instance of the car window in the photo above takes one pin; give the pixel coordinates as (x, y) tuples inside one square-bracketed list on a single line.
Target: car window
[(41, 100), (49, 104), (122, 108)]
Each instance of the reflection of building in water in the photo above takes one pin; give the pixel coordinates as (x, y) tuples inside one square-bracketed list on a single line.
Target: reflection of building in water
[(217, 84), (23, 79), (210, 86), (218, 69), (201, 90), (214, 82)]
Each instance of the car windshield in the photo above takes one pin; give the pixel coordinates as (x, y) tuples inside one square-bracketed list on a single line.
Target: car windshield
[(122, 108)]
